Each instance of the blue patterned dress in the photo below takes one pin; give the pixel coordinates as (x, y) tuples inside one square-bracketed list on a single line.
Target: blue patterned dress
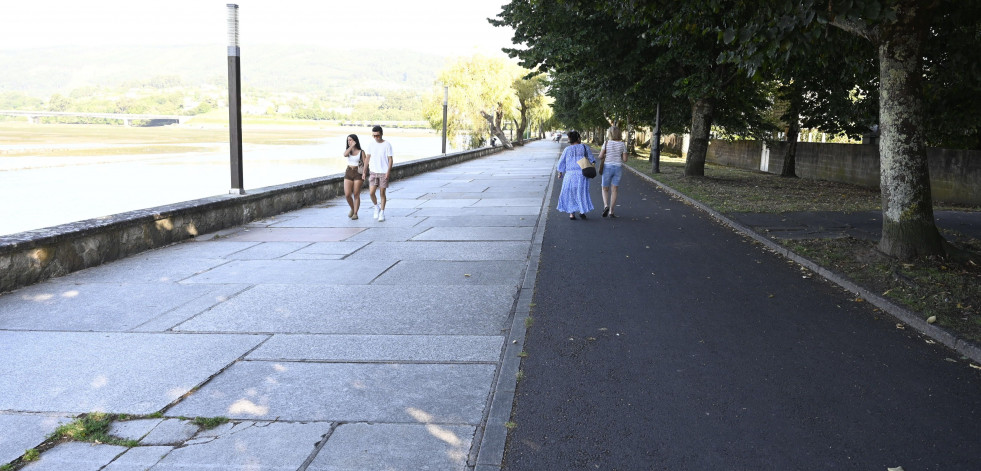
[(574, 197)]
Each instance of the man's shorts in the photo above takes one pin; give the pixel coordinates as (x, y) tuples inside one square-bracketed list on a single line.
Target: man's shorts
[(378, 179), (611, 175)]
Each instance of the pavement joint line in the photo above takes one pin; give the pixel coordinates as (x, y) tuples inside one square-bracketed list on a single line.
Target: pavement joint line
[(490, 454), (206, 294), (320, 446), (207, 380), (902, 314), (204, 271)]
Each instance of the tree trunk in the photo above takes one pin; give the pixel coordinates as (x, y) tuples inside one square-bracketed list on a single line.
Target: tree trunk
[(793, 131), (701, 124), (908, 227), (495, 126)]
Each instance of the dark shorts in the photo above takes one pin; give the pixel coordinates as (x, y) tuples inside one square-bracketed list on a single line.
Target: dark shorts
[(352, 173)]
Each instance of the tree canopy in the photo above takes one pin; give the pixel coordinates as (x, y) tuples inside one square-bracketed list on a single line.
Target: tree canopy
[(906, 67)]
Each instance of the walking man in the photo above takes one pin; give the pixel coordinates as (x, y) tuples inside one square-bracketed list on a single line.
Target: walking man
[(379, 161)]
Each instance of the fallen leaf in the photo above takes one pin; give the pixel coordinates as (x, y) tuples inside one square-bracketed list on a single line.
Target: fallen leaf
[(900, 326)]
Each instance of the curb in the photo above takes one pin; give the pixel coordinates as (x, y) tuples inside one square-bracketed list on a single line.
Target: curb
[(903, 314), (490, 455)]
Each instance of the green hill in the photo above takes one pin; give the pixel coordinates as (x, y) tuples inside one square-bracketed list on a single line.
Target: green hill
[(42, 72)]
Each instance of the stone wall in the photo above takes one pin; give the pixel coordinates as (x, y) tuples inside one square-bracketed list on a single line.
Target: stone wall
[(955, 175), (29, 257)]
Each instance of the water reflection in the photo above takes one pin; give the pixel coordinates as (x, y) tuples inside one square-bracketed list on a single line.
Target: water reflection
[(96, 187)]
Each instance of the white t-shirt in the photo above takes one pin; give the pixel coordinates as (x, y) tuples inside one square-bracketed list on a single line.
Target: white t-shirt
[(614, 152), (379, 152)]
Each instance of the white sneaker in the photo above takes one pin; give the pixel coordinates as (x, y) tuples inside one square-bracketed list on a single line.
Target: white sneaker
[(375, 212), (381, 216)]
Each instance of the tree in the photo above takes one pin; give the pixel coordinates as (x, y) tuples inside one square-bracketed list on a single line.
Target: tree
[(484, 92), (901, 32), (611, 65), (530, 97)]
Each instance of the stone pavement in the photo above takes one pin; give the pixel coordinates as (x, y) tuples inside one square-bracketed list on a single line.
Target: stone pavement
[(330, 344)]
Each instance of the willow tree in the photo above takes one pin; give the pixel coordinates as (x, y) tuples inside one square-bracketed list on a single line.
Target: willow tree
[(482, 96)]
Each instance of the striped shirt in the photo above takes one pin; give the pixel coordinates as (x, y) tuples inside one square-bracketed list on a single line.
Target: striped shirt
[(614, 152)]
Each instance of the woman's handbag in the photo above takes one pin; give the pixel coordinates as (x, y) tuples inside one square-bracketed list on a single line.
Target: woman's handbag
[(588, 170)]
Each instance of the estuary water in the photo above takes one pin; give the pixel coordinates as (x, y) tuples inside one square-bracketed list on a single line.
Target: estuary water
[(39, 192)]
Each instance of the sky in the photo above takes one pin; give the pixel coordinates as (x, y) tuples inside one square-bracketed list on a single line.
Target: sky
[(442, 27)]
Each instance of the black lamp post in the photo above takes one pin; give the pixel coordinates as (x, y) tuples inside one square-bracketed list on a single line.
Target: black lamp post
[(234, 102)]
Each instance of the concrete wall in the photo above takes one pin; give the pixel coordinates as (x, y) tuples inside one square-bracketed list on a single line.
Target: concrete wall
[(955, 175), (29, 257)]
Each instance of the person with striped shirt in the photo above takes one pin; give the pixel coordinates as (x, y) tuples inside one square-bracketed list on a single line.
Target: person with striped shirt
[(614, 155)]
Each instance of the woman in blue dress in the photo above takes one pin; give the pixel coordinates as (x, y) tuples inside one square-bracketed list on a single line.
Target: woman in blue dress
[(574, 197)]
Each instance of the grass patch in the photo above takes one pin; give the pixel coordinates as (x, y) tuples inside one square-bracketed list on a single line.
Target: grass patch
[(209, 423), (729, 190), (948, 288), (92, 428)]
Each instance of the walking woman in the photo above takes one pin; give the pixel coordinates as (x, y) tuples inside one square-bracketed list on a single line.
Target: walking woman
[(353, 175), (614, 155), (574, 197)]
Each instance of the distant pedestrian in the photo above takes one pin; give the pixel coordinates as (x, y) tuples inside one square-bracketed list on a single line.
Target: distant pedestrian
[(353, 175), (380, 162), (613, 155), (574, 197)]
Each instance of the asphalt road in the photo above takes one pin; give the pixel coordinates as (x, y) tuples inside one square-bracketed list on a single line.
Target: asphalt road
[(664, 340)]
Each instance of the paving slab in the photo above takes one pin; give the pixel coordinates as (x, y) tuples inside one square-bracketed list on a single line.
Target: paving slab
[(448, 203), (170, 432), (133, 429), (19, 432), (436, 250), (344, 392), (217, 294), (92, 307), (381, 348), (295, 234), (475, 211), (332, 248), (411, 272), (378, 233), (155, 269), (421, 309), (479, 221), (477, 233), (268, 250), (297, 272), (76, 456), (131, 373), (196, 248), (534, 202), (248, 446), (395, 447), (140, 458)]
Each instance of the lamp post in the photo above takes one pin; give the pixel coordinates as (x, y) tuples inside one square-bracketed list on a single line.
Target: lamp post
[(234, 102), (446, 100)]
